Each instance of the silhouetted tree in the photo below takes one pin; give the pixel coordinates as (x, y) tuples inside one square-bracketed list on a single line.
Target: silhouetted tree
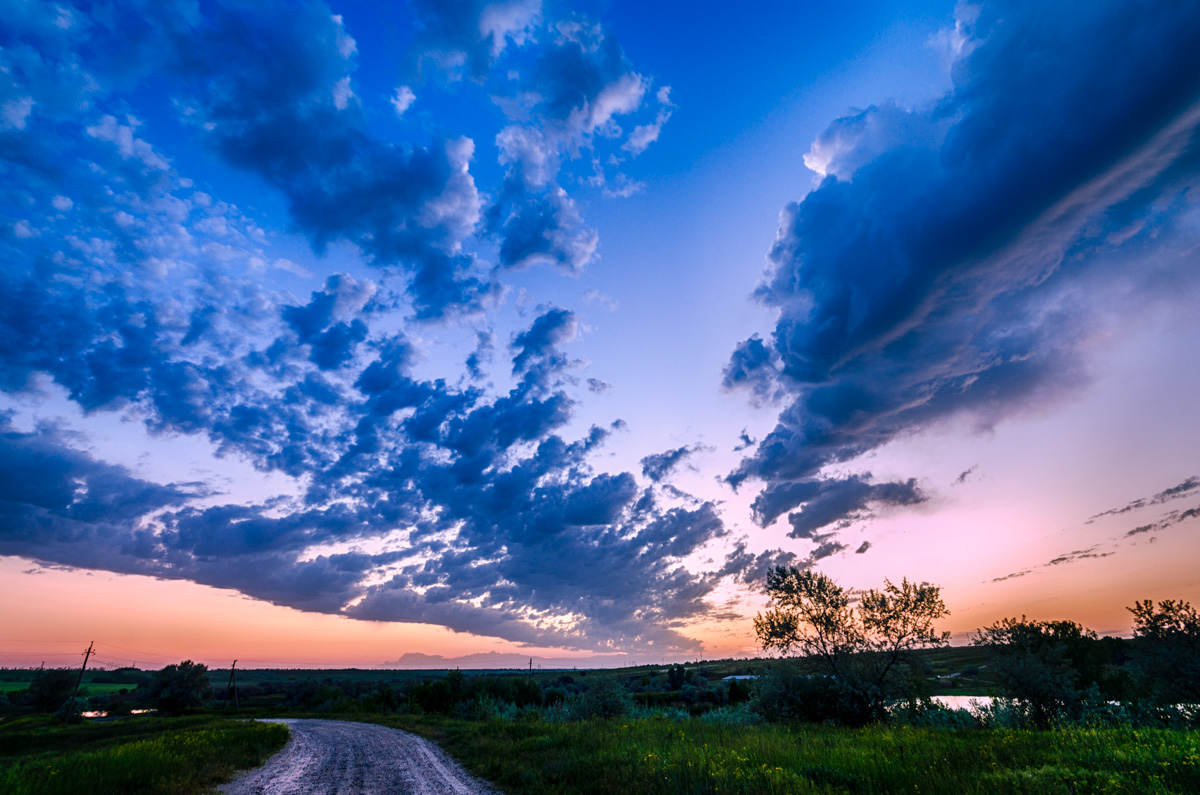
[(1166, 650), (1046, 666), (866, 649), (178, 688), (50, 689)]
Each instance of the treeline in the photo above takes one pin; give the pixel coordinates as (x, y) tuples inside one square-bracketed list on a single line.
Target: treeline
[(847, 659), (860, 661)]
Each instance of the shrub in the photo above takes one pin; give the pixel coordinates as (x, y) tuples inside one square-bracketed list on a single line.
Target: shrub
[(51, 688), (178, 688), (1043, 667), (606, 698), (71, 710)]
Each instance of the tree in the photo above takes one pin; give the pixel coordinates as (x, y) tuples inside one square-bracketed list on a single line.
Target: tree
[(178, 688), (50, 689), (1166, 646), (865, 647), (1045, 666)]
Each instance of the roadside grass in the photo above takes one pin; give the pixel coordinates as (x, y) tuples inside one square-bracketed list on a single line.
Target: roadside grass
[(167, 756), (698, 757)]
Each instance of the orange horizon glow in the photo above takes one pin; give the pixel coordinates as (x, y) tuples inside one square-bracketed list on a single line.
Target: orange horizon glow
[(148, 623)]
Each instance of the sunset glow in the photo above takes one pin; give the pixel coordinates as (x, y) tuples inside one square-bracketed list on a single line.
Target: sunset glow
[(332, 333)]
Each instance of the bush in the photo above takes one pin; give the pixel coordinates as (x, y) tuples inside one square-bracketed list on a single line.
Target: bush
[(606, 698), (932, 715), (732, 716), (784, 694), (71, 710), (51, 688), (1044, 668), (178, 688)]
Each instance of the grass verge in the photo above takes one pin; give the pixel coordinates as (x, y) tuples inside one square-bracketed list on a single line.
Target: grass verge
[(158, 756), (694, 757)]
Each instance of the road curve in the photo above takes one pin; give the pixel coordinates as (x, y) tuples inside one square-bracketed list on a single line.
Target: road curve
[(333, 757)]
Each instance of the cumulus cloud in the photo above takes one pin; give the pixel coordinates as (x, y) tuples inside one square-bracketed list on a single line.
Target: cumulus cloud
[(403, 99), (143, 294), (936, 269), (659, 466)]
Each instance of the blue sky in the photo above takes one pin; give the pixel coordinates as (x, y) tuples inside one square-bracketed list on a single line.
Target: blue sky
[(551, 326)]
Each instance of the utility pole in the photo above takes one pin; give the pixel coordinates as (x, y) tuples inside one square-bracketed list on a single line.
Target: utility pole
[(232, 686), (71, 704), (531, 666)]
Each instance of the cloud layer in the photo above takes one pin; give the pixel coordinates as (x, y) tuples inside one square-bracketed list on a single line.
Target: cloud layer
[(129, 289), (964, 260)]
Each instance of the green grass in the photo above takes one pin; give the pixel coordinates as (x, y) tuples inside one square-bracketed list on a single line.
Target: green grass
[(694, 757), (92, 688), (175, 756)]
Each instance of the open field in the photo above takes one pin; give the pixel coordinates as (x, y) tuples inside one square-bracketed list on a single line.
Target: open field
[(696, 756), (145, 755), (92, 688)]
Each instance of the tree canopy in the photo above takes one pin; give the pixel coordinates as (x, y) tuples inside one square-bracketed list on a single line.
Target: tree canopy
[(864, 644)]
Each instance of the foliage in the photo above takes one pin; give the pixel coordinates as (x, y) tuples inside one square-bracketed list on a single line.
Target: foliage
[(1166, 642), (71, 710), (606, 698), (1043, 667), (143, 755), (178, 688), (657, 756), (866, 649), (51, 688)]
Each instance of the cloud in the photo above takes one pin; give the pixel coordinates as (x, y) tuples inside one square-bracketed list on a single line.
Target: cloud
[(473, 34), (506, 530), (1184, 489), (645, 134), (660, 465), (274, 99), (143, 294), (966, 259), (403, 99), (1169, 519), (966, 473)]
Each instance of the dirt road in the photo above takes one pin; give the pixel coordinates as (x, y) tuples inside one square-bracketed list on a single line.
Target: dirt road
[(331, 757)]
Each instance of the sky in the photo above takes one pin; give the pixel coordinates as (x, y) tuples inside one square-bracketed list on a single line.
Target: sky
[(363, 334)]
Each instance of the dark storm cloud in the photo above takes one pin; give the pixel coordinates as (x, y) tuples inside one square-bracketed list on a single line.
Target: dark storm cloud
[(963, 260)]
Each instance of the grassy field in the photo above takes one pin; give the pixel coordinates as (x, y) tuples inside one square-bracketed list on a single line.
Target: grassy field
[(167, 756), (92, 688), (694, 757)]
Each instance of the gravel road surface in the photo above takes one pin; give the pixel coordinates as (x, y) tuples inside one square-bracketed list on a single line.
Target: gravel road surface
[(328, 757)]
